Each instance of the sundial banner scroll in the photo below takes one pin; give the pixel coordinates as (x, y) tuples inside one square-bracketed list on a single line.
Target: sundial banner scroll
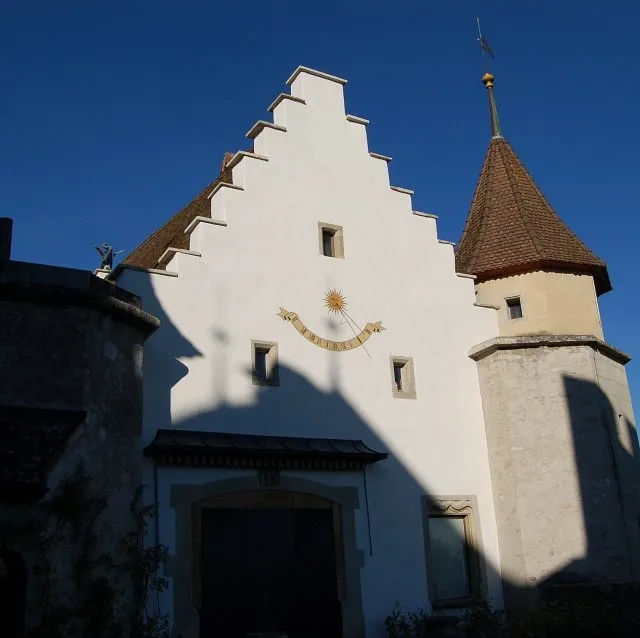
[(336, 303)]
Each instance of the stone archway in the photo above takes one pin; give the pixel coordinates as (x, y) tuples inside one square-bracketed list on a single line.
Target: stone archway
[(13, 593), (189, 501)]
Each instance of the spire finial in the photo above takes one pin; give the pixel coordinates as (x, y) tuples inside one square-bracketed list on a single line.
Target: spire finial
[(488, 80)]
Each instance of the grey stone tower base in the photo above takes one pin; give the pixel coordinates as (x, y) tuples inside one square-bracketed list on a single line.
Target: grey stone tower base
[(564, 462)]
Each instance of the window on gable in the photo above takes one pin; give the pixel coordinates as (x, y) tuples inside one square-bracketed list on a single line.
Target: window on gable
[(514, 308), (265, 369), (402, 378), (331, 240)]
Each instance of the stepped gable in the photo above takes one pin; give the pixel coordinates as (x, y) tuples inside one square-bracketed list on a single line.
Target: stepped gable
[(171, 234)]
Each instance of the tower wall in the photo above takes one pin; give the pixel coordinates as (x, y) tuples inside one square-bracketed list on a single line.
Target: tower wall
[(69, 344), (552, 303), (564, 461)]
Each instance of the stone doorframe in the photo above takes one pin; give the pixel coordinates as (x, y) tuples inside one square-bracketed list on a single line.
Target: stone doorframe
[(188, 501)]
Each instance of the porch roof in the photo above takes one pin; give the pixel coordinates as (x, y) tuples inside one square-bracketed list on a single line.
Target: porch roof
[(218, 449)]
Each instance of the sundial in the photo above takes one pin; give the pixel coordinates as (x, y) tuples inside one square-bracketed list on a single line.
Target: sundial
[(335, 303)]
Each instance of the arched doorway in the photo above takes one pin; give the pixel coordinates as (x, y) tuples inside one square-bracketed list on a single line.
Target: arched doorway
[(13, 590), (270, 561)]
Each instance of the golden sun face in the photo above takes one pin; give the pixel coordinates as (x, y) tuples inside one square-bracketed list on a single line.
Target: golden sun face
[(335, 301)]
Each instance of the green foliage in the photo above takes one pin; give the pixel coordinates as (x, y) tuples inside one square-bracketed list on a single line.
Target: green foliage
[(145, 564), (483, 621), (97, 601), (583, 612), (414, 624), (590, 613)]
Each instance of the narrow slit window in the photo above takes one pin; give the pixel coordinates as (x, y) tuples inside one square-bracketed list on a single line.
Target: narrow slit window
[(328, 241), (261, 364), (514, 308), (397, 375), (403, 384), (331, 240), (265, 363)]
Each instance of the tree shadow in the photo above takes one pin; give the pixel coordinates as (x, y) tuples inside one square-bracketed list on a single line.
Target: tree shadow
[(167, 369), (390, 517)]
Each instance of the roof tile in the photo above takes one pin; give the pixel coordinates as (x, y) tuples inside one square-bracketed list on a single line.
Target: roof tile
[(171, 234), (512, 228)]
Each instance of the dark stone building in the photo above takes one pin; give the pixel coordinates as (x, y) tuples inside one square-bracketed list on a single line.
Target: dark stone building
[(70, 420)]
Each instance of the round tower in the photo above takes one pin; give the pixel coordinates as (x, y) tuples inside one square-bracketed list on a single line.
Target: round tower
[(528, 263), (563, 447)]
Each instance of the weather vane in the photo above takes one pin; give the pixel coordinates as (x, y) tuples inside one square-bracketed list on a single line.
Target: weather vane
[(106, 255), (484, 46)]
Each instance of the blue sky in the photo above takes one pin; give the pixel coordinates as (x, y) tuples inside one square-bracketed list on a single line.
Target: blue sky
[(114, 114)]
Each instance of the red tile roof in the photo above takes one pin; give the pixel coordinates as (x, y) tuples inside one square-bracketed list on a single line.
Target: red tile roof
[(512, 228), (171, 234)]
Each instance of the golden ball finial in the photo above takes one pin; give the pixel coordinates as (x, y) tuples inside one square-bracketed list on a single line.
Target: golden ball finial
[(488, 79)]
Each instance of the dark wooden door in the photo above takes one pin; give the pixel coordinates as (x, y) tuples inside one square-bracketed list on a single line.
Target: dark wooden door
[(269, 570)]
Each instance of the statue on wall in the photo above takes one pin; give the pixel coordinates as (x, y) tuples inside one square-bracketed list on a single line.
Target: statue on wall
[(106, 255)]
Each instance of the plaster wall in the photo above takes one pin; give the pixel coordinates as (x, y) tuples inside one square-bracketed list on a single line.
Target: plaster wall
[(265, 254), (564, 464), (552, 303)]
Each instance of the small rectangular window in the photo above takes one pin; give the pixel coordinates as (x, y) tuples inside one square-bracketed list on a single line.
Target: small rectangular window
[(402, 378), (451, 536), (264, 368), (514, 308), (331, 240)]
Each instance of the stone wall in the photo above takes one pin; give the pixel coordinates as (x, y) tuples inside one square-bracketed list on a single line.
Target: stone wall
[(71, 344), (564, 461)]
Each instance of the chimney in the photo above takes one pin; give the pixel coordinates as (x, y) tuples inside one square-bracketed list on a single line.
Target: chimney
[(6, 228)]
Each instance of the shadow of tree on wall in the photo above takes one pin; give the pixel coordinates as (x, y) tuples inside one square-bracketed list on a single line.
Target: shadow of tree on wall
[(298, 408)]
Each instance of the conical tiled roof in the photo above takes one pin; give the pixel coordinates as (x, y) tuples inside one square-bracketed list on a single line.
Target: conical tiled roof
[(512, 228)]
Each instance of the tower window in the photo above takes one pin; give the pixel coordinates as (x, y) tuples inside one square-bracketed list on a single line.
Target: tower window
[(265, 369), (402, 378), (331, 240), (514, 308)]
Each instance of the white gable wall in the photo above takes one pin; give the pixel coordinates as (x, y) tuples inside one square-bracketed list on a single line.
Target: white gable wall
[(395, 270)]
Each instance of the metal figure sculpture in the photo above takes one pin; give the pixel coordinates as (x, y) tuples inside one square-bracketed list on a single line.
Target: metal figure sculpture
[(106, 255)]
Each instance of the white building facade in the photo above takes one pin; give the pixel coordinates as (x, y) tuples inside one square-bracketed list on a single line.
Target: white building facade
[(309, 476)]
